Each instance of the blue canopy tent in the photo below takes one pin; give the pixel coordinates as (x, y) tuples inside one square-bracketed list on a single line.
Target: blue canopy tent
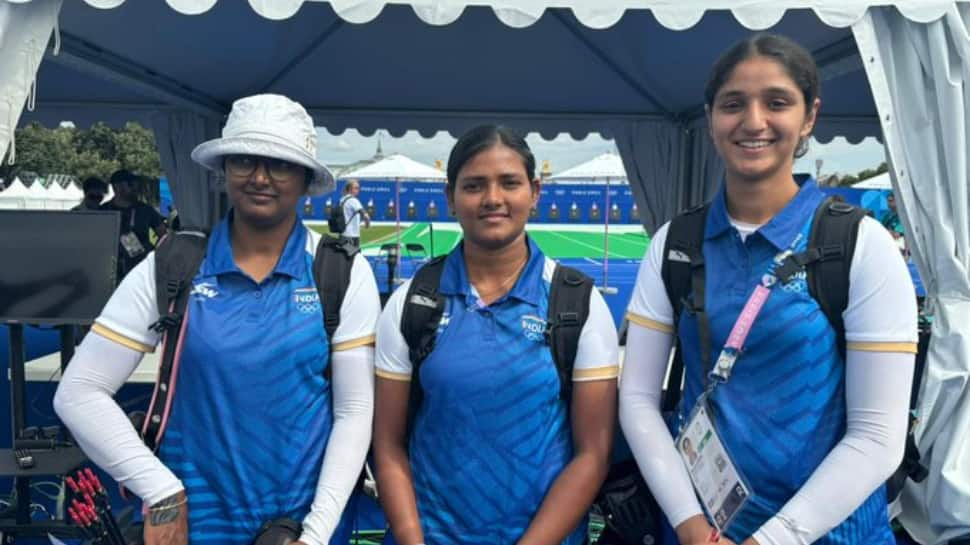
[(630, 69)]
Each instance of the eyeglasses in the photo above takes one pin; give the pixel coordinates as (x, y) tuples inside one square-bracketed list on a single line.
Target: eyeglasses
[(277, 169)]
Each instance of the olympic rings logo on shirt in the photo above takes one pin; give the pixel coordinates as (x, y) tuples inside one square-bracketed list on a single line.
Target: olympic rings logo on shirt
[(307, 300), (307, 308)]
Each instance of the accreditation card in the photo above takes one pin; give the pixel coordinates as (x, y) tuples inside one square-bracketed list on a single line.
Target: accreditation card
[(716, 480)]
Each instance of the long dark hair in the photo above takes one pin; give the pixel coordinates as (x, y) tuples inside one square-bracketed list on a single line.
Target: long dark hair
[(795, 59), (480, 139)]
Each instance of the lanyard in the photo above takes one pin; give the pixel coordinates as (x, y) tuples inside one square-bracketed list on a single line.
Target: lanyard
[(721, 371)]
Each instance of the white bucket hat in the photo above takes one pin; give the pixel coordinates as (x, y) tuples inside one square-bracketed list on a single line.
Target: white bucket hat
[(268, 126)]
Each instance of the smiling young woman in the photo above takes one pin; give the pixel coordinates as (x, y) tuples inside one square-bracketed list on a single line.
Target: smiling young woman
[(494, 454), (814, 430)]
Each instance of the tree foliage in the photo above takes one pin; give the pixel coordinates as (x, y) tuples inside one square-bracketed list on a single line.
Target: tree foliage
[(97, 151), (849, 179)]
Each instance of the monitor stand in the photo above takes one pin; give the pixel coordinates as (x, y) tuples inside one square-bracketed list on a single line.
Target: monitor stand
[(47, 459)]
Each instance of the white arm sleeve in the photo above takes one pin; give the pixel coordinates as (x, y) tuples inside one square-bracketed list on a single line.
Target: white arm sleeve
[(647, 356), (84, 402), (353, 408), (877, 385), (880, 328)]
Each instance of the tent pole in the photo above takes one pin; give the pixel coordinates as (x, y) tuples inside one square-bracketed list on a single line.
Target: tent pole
[(397, 218), (606, 237)]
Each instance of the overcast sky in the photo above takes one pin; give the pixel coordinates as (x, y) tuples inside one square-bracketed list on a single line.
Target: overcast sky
[(838, 156)]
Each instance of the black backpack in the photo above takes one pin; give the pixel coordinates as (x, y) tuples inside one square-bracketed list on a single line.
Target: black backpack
[(337, 222), (423, 306), (177, 260), (826, 261), (628, 510)]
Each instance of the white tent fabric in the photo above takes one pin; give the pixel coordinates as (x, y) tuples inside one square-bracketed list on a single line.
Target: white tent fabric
[(607, 166), (15, 195), (920, 76), (16, 189), (37, 190), (24, 32), (51, 197), (396, 167), (57, 192), (673, 14), (879, 181), (72, 191)]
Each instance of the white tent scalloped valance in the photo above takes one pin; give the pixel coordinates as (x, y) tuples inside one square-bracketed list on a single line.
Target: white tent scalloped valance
[(673, 14)]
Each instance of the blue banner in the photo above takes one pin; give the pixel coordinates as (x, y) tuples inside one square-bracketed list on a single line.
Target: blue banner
[(424, 201)]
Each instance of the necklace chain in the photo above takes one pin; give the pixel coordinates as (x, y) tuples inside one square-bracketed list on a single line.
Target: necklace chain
[(504, 283)]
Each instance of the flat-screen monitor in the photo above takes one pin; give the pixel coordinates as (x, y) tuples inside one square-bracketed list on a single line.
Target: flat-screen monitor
[(56, 267)]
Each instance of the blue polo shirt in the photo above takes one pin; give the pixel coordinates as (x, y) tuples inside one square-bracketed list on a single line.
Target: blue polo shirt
[(252, 415), (491, 434), (784, 408)]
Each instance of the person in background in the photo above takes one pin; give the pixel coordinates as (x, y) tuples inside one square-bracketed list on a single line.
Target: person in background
[(893, 224), (354, 212), (94, 191), (137, 219)]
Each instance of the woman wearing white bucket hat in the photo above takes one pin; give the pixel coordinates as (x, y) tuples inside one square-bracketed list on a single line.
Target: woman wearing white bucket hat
[(252, 434)]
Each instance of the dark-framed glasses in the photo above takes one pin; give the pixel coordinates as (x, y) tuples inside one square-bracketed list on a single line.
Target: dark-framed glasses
[(277, 169)]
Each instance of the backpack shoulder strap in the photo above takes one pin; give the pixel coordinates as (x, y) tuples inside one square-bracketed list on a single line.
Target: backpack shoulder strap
[(177, 260), (568, 310), (835, 228), (178, 257), (332, 264), (682, 270), (423, 308)]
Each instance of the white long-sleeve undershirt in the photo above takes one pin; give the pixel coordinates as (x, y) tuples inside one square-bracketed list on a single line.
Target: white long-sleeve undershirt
[(877, 386), (644, 368), (876, 390), (353, 412), (84, 402)]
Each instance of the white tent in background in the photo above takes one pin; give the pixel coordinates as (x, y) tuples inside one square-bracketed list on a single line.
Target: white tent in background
[(58, 196), (74, 192), (396, 167), (879, 181), (15, 196), (38, 197), (600, 169), (66, 196)]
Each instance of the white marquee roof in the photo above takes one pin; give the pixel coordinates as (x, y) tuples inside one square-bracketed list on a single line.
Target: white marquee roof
[(16, 190), (879, 181), (396, 167), (602, 167)]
